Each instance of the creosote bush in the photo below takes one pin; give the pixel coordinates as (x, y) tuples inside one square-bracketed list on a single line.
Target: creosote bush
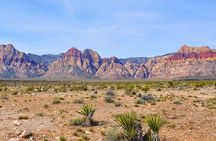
[(109, 96)]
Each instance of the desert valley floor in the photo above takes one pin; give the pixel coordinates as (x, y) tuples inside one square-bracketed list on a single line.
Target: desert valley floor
[(48, 109)]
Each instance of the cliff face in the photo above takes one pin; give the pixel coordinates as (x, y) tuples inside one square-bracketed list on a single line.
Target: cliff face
[(112, 68), (14, 63), (187, 63), (75, 64)]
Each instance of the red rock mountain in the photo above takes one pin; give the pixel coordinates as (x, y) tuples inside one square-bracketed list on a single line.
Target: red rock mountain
[(16, 64), (75, 64), (188, 63)]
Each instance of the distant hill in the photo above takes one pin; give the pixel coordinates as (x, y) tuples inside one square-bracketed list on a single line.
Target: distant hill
[(187, 63)]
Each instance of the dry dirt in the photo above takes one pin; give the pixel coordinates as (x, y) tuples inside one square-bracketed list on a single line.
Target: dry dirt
[(188, 117)]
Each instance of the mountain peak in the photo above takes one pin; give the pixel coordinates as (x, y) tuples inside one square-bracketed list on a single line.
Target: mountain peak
[(192, 62), (73, 52), (7, 46), (190, 49)]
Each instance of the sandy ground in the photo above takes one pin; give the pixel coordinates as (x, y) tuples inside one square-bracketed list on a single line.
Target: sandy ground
[(188, 121)]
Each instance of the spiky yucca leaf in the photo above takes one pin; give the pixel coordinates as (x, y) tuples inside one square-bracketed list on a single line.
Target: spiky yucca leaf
[(127, 121), (86, 109), (155, 122)]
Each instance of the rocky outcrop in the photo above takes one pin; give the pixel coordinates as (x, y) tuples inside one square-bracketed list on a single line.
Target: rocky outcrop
[(16, 64), (187, 63), (75, 64), (44, 60), (112, 68)]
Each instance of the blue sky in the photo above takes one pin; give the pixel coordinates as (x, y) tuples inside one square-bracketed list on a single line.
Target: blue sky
[(121, 28)]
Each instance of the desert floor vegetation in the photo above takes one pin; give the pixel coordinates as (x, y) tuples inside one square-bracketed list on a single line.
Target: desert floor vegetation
[(100, 110)]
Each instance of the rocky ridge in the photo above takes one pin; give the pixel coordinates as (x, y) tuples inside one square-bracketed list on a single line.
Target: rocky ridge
[(187, 63)]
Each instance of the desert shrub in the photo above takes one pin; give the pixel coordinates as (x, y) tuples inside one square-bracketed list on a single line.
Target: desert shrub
[(30, 89), (117, 104), (112, 87), (81, 139), (158, 89), (127, 121), (46, 106), (148, 98), (76, 122), (93, 96), (211, 103), (87, 111), (109, 96), (108, 99), (78, 101), (177, 102), (40, 114), (23, 117), (146, 89), (56, 101), (61, 138), (102, 86), (86, 138), (155, 122), (4, 96), (79, 88), (63, 89), (140, 101), (14, 92), (110, 93), (171, 84), (113, 135)]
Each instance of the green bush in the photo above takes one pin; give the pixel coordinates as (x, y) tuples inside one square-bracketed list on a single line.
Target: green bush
[(86, 110), (127, 121), (155, 122)]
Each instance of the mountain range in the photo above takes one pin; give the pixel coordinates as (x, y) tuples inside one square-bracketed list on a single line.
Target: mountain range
[(187, 63)]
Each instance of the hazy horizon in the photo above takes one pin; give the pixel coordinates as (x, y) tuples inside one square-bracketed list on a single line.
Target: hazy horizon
[(121, 28)]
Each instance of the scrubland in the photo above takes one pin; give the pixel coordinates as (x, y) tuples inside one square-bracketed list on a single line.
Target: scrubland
[(107, 110)]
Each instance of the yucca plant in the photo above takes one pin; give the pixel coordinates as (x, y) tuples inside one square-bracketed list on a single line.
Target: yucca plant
[(87, 111), (155, 122), (128, 122)]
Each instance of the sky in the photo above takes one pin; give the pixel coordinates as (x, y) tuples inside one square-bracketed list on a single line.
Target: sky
[(121, 28)]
